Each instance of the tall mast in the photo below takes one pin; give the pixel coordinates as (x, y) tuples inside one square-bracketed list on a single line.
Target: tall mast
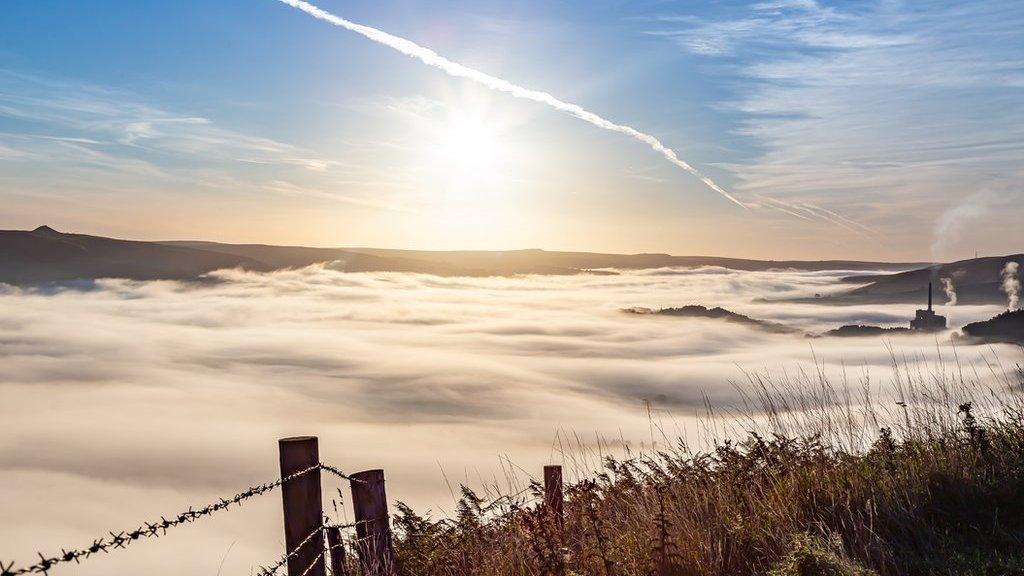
[(929, 296)]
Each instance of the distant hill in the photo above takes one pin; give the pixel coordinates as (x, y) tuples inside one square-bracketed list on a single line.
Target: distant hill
[(976, 281), (46, 255), (507, 262), (538, 261), (1007, 327), (857, 330), (280, 257), (697, 311)]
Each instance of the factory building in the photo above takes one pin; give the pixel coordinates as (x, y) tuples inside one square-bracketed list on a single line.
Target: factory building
[(928, 319)]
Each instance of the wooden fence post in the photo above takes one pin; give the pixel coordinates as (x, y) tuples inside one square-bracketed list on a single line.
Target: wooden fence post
[(373, 526), (303, 507), (553, 498), (337, 550)]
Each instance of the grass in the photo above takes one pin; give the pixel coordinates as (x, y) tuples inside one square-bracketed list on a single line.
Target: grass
[(820, 479)]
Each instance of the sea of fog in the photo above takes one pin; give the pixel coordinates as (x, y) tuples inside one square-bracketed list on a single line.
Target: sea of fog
[(132, 400)]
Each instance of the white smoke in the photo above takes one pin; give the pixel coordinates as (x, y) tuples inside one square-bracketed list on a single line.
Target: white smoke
[(431, 58), (1011, 285), (950, 290)]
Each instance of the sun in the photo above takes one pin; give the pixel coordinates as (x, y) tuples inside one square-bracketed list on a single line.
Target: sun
[(469, 147), (473, 161)]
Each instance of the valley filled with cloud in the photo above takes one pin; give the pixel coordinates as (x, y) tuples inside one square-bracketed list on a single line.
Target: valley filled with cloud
[(129, 400)]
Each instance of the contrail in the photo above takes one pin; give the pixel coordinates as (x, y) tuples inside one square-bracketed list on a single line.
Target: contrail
[(431, 58)]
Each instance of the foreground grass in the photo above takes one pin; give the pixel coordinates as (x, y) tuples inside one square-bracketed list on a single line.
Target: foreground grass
[(940, 490)]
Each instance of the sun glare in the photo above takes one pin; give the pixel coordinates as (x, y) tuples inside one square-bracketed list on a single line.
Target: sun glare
[(473, 165), (470, 148)]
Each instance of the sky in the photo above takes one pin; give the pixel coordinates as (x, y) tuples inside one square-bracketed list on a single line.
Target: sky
[(870, 130)]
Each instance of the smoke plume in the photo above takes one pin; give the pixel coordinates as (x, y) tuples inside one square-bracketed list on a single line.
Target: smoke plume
[(950, 290), (1011, 285), (431, 58)]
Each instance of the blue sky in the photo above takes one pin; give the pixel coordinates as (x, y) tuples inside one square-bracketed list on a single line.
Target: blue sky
[(853, 130)]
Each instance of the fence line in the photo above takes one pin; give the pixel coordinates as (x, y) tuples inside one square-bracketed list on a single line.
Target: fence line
[(302, 501)]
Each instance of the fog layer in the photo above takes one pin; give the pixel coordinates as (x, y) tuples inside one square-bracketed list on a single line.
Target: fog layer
[(132, 400)]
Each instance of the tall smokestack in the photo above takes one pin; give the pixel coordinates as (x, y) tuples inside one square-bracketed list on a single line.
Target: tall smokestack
[(929, 296)]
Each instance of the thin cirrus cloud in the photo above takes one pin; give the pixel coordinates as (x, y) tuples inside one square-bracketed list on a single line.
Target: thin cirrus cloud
[(863, 110), (431, 58), (94, 115), (88, 136), (805, 210)]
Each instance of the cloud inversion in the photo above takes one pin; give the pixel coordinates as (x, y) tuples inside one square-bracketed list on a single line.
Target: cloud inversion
[(133, 400)]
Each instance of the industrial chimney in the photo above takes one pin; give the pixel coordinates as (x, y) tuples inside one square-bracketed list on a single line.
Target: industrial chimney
[(928, 319)]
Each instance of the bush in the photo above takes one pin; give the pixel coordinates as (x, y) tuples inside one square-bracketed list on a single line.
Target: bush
[(814, 556), (936, 488)]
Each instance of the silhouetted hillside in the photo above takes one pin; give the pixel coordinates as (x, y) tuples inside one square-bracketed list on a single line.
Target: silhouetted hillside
[(543, 261), (853, 330), (1007, 327), (278, 257), (697, 311), (976, 281), (45, 255)]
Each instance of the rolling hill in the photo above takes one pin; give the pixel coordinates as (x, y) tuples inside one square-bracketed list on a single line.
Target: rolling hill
[(45, 255), (976, 281), (508, 262)]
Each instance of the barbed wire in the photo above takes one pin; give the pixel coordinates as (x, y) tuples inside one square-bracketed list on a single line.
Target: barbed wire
[(272, 569), (159, 528), (320, 558), (339, 473)]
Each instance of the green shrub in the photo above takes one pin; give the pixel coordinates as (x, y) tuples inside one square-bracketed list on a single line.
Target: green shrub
[(814, 556)]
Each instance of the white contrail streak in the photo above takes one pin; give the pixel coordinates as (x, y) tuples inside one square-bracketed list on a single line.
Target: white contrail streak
[(431, 58)]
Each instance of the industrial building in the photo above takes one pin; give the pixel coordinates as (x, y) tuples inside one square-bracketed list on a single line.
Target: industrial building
[(927, 319)]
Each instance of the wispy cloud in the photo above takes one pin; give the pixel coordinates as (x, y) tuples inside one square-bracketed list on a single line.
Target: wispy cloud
[(431, 58), (887, 113), (93, 115), (81, 135)]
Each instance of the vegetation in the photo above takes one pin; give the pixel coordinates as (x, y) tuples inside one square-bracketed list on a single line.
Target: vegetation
[(823, 482), (1007, 327)]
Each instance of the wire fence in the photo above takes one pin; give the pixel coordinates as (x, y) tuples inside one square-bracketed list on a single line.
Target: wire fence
[(156, 529), (272, 569), (311, 540)]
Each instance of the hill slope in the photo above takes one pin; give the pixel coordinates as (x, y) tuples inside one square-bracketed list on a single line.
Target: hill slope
[(506, 262), (541, 260), (1007, 327), (45, 255), (717, 313), (976, 281)]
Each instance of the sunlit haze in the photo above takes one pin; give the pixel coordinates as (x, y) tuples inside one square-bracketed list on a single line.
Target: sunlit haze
[(263, 124)]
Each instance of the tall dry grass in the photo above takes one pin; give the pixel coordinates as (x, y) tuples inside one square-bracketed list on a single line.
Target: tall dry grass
[(807, 475)]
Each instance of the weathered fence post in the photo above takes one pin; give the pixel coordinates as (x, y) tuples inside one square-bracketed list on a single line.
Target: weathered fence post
[(337, 551), (553, 499), (303, 507), (373, 526)]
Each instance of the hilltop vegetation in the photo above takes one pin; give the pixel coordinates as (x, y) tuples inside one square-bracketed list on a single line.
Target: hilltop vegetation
[(717, 313), (843, 487), (1007, 327)]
